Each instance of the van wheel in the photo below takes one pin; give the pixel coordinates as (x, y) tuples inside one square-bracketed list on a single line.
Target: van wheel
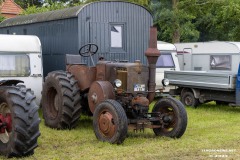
[(61, 100), (19, 129), (172, 118), (110, 122), (188, 99)]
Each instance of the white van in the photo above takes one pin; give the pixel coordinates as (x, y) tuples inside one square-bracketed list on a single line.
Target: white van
[(21, 59), (167, 61)]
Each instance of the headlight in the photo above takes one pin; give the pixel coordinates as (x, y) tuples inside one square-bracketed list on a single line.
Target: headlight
[(118, 83), (165, 82)]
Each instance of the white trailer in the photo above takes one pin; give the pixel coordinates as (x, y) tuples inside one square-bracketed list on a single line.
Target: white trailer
[(167, 61), (21, 59), (199, 56), (210, 72)]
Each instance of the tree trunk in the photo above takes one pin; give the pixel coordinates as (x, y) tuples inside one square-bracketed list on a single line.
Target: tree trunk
[(175, 25)]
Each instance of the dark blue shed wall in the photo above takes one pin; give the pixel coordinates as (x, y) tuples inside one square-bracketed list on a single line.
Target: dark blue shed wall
[(90, 24), (58, 38), (94, 27)]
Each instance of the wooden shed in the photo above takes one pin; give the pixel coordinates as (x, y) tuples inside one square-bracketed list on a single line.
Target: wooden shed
[(120, 29)]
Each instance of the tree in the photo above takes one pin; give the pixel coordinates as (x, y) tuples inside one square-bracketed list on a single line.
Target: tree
[(26, 3), (2, 18), (174, 20)]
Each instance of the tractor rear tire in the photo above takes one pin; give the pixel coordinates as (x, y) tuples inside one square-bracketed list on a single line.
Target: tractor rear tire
[(110, 122), (61, 100), (177, 114), (19, 138)]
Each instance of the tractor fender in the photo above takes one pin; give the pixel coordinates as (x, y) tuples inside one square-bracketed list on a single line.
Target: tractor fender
[(10, 82), (98, 92), (196, 92)]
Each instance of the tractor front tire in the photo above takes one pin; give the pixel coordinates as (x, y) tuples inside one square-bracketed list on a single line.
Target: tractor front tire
[(18, 110), (61, 100), (110, 122), (173, 118)]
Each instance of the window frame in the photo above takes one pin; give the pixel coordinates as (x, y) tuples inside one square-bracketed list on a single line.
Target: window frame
[(123, 38), (211, 67), (18, 74), (166, 53)]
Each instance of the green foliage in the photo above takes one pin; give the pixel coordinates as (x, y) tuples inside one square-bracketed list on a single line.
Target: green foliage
[(1, 18), (26, 3), (176, 20)]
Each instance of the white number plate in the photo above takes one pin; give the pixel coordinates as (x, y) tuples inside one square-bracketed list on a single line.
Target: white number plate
[(139, 87)]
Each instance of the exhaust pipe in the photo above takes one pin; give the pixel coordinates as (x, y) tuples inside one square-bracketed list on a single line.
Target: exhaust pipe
[(152, 54)]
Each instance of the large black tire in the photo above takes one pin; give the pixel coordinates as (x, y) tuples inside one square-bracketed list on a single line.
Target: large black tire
[(21, 134), (61, 100), (110, 122), (188, 99), (176, 118)]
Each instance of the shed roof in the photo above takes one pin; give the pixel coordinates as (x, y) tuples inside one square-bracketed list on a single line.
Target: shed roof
[(51, 15), (42, 17)]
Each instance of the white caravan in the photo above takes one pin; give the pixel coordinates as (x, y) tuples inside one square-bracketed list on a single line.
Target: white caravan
[(167, 61), (21, 59), (217, 56)]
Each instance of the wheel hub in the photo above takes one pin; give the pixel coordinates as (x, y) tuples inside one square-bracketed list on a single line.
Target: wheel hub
[(188, 101), (5, 122), (106, 124)]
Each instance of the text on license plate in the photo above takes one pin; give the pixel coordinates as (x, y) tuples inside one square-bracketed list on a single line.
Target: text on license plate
[(139, 87)]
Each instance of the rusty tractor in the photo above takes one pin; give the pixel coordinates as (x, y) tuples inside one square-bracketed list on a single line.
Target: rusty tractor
[(118, 95), (19, 119)]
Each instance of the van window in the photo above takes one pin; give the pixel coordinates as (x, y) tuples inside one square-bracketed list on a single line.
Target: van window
[(14, 65), (220, 62), (165, 61)]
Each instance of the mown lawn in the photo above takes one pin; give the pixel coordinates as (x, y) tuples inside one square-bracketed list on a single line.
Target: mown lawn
[(213, 132)]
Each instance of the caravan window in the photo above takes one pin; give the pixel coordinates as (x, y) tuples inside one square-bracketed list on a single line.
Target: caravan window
[(220, 62), (165, 61), (14, 65)]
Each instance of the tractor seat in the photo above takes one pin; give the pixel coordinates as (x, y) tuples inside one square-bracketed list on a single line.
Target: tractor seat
[(74, 59)]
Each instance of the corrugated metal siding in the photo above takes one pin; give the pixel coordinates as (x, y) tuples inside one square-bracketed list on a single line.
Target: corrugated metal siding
[(94, 22), (58, 38), (66, 36)]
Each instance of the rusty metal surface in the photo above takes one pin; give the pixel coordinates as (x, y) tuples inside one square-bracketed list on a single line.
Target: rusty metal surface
[(99, 91), (152, 54), (143, 101), (106, 123), (83, 74)]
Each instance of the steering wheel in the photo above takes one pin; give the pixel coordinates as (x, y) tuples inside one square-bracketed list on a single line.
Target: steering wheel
[(88, 50)]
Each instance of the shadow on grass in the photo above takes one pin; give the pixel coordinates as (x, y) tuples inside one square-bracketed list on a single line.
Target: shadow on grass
[(85, 122), (211, 106)]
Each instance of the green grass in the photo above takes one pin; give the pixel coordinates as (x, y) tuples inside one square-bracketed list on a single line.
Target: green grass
[(210, 127)]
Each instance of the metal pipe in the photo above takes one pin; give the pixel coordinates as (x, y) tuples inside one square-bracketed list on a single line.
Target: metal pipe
[(152, 54)]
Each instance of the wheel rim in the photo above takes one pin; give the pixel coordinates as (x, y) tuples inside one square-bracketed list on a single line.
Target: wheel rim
[(188, 101), (52, 102), (168, 119), (6, 123), (106, 123)]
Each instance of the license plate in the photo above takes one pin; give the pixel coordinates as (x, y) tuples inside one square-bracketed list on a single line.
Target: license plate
[(139, 87)]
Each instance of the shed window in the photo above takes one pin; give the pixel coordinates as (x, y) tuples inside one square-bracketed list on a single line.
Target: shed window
[(116, 36), (220, 62), (165, 61), (14, 65)]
